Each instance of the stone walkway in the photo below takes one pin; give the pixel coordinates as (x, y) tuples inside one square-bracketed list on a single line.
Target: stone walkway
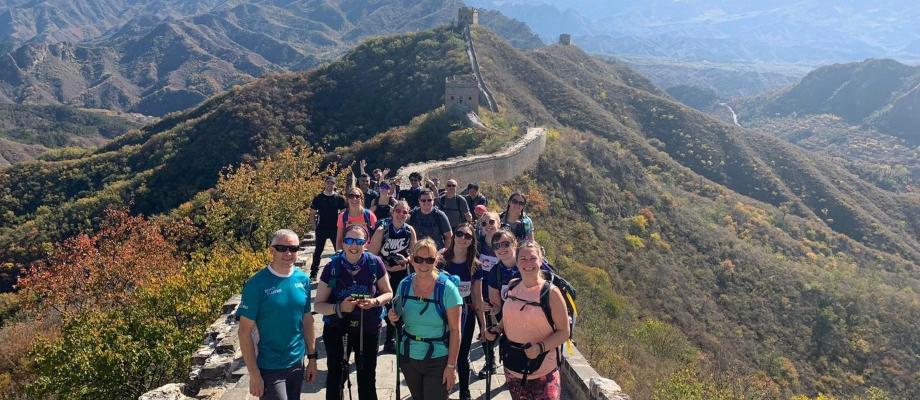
[(386, 367)]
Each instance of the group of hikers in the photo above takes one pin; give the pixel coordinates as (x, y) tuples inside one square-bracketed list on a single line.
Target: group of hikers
[(423, 265)]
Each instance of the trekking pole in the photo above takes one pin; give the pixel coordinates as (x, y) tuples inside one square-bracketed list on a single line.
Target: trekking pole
[(345, 366), (490, 357), (360, 356), (398, 327)]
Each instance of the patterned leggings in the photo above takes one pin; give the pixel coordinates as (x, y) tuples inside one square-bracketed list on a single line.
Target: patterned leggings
[(543, 388)]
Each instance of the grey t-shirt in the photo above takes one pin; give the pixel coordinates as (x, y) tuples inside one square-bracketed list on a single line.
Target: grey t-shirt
[(455, 208), (433, 225)]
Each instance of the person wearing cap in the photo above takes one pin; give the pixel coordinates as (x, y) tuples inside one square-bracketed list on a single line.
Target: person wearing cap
[(479, 211), (454, 206), (324, 212), (473, 197)]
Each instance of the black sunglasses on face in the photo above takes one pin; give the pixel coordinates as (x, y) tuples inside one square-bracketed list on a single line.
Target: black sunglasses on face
[(501, 245), (283, 248), (449, 185), (488, 222), (462, 234), (424, 260), (518, 202), (354, 196), (425, 200)]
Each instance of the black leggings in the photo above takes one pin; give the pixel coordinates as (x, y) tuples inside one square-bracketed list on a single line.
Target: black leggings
[(321, 236), (282, 384), (335, 355), (466, 342)]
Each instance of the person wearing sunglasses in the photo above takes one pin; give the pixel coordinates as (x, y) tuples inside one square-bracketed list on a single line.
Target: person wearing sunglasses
[(428, 306), (412, 194), (276, 304), (392, 241), (355, 214), (431, 222), (352, 289), (461, 261), (325, 208), (454, 205), (516, 219), (532, 338), (488, 227)]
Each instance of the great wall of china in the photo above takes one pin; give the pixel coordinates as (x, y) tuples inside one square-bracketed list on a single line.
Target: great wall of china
[(217, 371)]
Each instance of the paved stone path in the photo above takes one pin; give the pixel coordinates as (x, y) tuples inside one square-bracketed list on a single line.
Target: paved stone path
[(386, 366)]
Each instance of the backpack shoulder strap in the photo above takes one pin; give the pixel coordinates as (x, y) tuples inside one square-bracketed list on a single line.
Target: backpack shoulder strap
[(545, 292), (333, 271), (367, 219), (440, 286)]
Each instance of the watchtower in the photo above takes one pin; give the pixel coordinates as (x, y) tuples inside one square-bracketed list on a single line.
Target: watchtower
[(565, 39), (468, 16), (461, 94)]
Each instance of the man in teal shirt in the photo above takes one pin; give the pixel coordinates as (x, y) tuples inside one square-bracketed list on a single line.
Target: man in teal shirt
[(276, 306)]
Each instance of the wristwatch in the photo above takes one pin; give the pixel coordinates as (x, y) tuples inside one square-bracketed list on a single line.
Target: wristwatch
[(312, 356)]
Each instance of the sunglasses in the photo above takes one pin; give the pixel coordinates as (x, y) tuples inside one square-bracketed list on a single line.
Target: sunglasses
[(354, 196), (501, 245), (424, 260), (518, 202), (425, 200), (488, 222), (449, 185), (400, 211), (283, 248), (462, 234), (354, 241)]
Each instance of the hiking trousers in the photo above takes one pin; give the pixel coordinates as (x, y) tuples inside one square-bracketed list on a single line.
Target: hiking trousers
[(321, 236), (424, 377), (466, 342)]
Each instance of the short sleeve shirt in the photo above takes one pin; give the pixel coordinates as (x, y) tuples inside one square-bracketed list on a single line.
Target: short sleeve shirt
[(328, 208), (369, 197), (433, 225), (455, 208), (411, 196), (462, 270), (429, 323), (277, 304)]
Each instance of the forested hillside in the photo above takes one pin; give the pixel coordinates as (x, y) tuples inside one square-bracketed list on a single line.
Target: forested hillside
[(779, 265), (29, 131), (160, 166)]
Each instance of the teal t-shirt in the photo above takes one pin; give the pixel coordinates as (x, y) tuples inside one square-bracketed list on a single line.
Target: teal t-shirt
[(277, 304), (429, 324)]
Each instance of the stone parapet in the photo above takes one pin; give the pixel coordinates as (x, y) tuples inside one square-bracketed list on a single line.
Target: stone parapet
[(581, 382), (522, 155)]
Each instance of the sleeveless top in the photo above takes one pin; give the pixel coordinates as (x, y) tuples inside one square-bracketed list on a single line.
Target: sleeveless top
[(528, 325)]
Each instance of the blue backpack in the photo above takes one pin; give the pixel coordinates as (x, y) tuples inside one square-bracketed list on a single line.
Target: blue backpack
[(440, 286), (367, 220)]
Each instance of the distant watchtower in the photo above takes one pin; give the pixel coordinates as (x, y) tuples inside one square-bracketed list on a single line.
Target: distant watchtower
[(468, 16), (461, 94), (565, 39)]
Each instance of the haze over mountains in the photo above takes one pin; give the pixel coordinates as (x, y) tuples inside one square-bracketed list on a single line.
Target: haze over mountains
[(155, 58)]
